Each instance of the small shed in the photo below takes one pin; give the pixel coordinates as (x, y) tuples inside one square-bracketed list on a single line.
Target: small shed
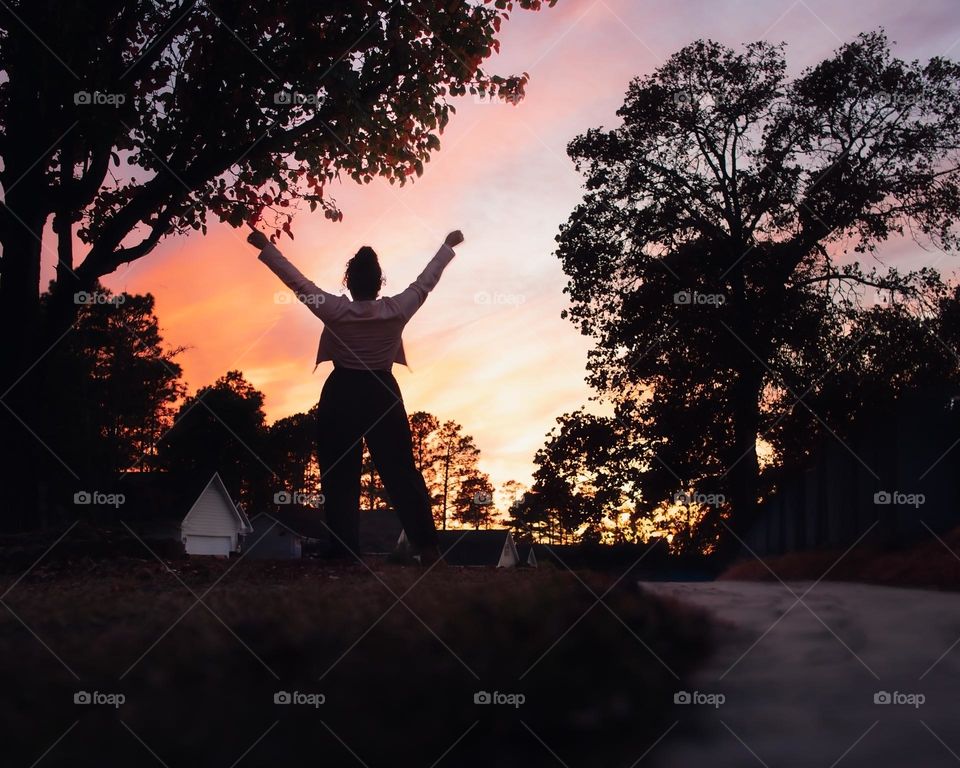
[(492, 547), (198, 512), (283, 534), (214, 525)]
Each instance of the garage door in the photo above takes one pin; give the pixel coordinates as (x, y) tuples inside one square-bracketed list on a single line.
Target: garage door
[(208, 545)]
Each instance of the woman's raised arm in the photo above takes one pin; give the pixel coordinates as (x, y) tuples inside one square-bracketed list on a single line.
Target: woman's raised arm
[(324, 305), (413, 297)]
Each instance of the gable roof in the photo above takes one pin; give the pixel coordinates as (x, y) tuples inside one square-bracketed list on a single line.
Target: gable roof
[(215, 485), (527, 555), (467, 547), (300, 520), (153, 497)]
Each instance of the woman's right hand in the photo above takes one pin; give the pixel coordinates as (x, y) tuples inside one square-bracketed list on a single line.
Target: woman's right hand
[(454, 238), (257, 239)]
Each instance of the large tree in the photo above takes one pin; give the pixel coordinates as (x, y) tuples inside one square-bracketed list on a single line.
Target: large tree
[(127, 383), (424, 435), (715, 247), (456, 466), (447, 459), (473, 506), (579, 476), (222, 428), (292, 454), (135, 122)]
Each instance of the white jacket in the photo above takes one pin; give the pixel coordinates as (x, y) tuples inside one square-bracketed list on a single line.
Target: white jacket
[(360, 334)]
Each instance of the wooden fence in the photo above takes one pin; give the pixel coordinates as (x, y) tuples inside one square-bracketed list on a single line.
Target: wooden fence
[(894, 481)]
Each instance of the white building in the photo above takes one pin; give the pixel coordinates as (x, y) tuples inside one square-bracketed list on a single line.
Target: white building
[(194, 510), (214, 525)]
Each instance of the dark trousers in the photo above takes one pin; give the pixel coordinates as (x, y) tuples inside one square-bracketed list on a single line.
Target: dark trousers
[(357, 405)]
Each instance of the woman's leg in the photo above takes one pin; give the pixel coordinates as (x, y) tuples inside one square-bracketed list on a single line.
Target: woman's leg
[(340, 454), (391, 448)]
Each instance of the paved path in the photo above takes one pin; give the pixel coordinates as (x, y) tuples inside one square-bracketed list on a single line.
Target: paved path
[(799, 684)]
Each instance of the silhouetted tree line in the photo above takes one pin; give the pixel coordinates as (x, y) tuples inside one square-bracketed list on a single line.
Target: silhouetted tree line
[(715, 262), (132, 414)]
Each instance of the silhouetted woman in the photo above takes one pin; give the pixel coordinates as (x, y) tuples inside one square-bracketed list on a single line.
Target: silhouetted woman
[(361, 399)]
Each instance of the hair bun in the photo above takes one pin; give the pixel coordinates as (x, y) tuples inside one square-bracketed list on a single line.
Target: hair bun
[(363, 276), (366, 255)]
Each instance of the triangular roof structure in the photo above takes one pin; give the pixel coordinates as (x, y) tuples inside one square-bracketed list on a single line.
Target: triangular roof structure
[(527, 555), (491, 547), (216, 484), (153, 497), (300, 520)]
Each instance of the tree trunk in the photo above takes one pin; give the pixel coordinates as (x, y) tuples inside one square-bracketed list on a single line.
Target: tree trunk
[(21, 229), (745, 396), (62, 304), (446, 483), (745, 474)]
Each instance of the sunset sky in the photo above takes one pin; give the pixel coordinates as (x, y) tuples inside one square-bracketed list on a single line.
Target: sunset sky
[(503, 370)]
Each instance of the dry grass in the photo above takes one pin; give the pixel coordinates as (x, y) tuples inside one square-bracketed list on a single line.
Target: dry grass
[(399, 681), (931, 564)]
